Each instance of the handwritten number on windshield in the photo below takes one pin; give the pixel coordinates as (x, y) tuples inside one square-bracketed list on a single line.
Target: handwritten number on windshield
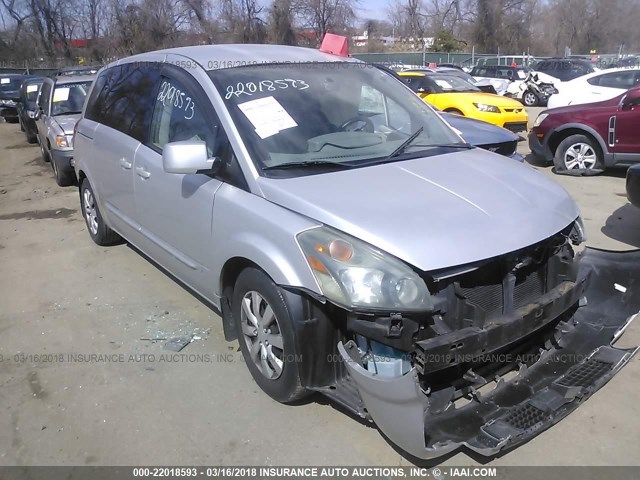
[(249, 88)]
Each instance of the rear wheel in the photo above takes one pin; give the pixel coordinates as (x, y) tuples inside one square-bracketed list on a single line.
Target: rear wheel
[(98, 230), (578, 155), (265, 333), (455, 111), (530, 99)]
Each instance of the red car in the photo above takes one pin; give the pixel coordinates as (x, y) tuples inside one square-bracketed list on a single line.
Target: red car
[(585, 139)]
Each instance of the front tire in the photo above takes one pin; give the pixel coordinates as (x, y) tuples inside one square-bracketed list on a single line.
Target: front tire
[(265, 332), (100, 233), (63, 178), (578, 155), (529, 99), (44, 154)]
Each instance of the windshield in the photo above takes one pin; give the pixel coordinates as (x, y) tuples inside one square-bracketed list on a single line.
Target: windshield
[(8, 84), (316, 114), (31, 91), (68, 98), (449, 83)]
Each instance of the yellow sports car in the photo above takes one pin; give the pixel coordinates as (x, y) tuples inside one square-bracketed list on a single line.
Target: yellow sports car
[(456, 95)]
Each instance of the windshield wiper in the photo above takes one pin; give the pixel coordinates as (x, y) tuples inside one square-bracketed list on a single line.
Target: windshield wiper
[(465, 146), (310, 163), (406, 143)]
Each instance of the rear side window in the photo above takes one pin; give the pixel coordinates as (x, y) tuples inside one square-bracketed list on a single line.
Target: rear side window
[(123, 98), (624, 80)]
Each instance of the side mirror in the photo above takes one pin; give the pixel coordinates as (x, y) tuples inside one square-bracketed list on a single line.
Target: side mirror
[(631, 99), (187, 157)]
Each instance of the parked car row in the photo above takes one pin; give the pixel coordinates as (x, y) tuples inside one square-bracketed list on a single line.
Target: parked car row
[(47, 109)]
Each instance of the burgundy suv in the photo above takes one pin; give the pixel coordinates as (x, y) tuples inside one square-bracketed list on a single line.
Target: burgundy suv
[(585, 139)]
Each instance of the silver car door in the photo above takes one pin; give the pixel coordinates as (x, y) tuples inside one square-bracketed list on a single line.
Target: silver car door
[(176, 209), (123, 117)]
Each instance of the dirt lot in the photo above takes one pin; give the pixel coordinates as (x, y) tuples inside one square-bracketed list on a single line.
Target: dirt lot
[(63, 298)]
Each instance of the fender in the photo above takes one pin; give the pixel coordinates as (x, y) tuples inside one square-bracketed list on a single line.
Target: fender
[(608, 156)]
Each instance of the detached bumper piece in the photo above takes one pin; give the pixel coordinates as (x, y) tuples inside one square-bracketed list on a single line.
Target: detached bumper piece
[(576, 362)]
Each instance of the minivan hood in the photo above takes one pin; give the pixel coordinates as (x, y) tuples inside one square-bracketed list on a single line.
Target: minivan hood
[(67, 122), (433, 212)]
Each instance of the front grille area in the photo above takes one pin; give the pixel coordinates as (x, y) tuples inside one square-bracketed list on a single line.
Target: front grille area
[(529, 286), (487, 297), (505, 148), (516, 127)]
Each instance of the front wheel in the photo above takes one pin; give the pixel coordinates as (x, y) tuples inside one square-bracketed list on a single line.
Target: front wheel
[(44, 153), (100, 233), (265, 333), (578, 155), (63, 177), (530, 99)]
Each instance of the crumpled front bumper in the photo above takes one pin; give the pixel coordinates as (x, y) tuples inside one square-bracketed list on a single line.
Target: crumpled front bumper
[(575, 366)]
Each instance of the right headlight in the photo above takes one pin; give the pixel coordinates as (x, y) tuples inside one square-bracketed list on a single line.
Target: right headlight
[(355, 275), (539, 119)]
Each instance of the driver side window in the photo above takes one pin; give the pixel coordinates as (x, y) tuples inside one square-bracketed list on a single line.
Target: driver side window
[(178, 117)]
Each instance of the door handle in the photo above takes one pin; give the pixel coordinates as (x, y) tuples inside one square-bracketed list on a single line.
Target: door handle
[(124, 164), (142, 172)]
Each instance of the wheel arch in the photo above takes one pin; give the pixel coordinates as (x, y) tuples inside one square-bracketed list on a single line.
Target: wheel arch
[(576, 129)]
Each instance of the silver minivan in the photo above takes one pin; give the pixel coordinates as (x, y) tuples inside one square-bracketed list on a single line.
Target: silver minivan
[(352, 242)]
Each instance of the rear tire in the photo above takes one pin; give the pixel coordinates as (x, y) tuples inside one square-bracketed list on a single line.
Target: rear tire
[(265, 332), (578, 155), (100, 233), (454, 111)]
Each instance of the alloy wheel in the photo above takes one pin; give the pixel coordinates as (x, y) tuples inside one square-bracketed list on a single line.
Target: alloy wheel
[(580, 156), (530, 99), (262, 335), (90, 213)]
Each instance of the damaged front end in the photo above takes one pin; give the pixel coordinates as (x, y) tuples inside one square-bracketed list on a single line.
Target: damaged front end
[(510, 347)]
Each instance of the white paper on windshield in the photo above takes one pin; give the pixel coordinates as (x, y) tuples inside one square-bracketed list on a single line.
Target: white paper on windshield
[(5, 80), (267, 116), (61, 94), (32, 88), (444, 84)]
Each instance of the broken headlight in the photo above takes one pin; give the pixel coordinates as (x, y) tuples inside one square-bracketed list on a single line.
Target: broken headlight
[(354, 274)]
